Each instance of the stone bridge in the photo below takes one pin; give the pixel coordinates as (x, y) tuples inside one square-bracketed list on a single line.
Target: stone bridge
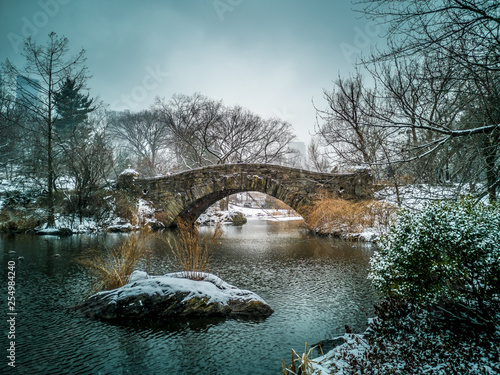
[(188, 194)]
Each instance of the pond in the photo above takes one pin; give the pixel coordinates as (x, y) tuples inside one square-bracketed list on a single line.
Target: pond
[(315, 285)]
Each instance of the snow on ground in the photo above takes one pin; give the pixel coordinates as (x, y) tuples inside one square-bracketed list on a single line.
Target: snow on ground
[(145, 215), (129, 172), (48, 231), (369, 235), (16, 188), (16, 184), (266, 214), (251, 213), (87, 225), (440, 355), (355, 346), (415, 196), (412, 197)]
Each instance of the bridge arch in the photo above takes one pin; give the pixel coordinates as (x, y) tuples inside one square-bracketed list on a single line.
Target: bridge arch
[(194, 208), (188, 194)]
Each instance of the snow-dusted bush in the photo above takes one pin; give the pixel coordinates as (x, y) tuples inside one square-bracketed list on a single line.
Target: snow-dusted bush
[(406, 339), (448, 251)]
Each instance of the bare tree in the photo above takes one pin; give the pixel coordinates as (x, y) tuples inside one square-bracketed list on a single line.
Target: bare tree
[(316, 159), (346, 128), (189, 120), (271, 143), (413, 97), (205, 132), (482, 150), (47, 68), (242, 136), (10, 136), (88, 164), (456, 45), (145, 136), (463, 31)]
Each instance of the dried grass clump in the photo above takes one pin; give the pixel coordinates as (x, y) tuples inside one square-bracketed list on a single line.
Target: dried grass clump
[(191, 250), (162, 217), (339, 216), (301, 364), (18, 221), (113, 267), (126, 207), (382, 214)]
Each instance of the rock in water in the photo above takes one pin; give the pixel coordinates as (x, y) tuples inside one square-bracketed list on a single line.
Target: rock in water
[(173, 295), (239, 219)]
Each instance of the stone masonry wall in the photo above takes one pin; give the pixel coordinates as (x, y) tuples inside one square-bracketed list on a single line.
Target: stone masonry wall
[(190, 193)]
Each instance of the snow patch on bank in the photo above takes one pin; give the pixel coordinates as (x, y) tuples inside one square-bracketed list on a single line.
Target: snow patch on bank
[(465, 357), (416, 196), (212, 216), (87, 225), (354, 347)]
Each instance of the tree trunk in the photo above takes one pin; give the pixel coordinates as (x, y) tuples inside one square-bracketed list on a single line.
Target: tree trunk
[(490, 156), (491, 178), (50, 177)]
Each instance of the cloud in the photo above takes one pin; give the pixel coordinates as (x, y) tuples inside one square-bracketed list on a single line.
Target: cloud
[(265, 56)]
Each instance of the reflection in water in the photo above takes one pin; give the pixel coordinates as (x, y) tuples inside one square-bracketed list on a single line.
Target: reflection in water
[(315, 285)]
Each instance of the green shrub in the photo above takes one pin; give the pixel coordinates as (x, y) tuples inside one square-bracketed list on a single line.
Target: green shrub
[(448, 251)]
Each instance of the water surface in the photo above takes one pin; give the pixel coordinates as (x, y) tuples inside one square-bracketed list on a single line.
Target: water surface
[(316, 286)]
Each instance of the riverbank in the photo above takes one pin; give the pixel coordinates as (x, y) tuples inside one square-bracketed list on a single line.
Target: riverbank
[(20, 213), (437, 270), (365, 221), (370, 220), (411, 340), (212, 216), (351, 220)]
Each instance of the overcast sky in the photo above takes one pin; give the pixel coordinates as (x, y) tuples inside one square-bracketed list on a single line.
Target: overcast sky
[(271, 56)]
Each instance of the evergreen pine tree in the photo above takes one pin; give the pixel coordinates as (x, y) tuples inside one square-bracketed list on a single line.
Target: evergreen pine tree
[(72, 108)]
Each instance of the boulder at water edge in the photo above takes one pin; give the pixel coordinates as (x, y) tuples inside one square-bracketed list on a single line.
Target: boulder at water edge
[(173, 295)]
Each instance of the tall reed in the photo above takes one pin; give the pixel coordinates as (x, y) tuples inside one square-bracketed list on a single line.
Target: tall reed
[(191, 250), (301, 364), (113, 267)]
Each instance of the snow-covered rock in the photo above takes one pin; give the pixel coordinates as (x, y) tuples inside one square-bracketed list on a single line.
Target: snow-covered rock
[(211, 217), (174, 295), (138, 275), (45, 230), (120, 228), (130, 172)]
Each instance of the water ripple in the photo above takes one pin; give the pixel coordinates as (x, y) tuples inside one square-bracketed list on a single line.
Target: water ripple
[(315, 289)]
